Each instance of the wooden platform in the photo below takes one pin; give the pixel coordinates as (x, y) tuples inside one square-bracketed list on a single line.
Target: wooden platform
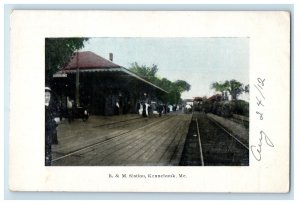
[(122, 140)]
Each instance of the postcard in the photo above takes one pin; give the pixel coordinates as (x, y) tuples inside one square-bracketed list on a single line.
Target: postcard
[(150, 101)]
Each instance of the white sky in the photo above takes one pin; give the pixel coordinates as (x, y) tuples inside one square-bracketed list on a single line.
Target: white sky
[(199, 61)]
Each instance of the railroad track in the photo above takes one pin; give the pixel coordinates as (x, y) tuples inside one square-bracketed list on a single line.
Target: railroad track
[(113, 125), (117, 123), (209, 144)]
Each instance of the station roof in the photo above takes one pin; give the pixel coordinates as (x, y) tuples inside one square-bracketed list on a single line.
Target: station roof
[(90, 62)]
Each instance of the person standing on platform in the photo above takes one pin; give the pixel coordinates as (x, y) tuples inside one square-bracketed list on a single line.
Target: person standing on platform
[(70, 108), (51, 120), (144, 113), (174, 108), (117, 108), (160, 110)]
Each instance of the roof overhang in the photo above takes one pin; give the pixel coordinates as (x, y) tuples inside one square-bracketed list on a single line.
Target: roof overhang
[(63, 73)]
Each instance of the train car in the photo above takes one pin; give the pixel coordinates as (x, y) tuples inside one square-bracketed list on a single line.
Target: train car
[(224, 108)]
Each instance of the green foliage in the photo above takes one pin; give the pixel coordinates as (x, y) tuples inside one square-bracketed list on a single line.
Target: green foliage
[(233, 86), (219, 86), (241, 108), (247, 89), (58, 52), (224, 108), (165, 84), (182, 85), (147, 73), (174, 88)]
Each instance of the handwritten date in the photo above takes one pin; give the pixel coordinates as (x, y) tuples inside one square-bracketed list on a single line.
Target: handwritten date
[(257, 149)]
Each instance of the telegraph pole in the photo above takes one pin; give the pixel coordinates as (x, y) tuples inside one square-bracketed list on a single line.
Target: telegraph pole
[(77, 80)]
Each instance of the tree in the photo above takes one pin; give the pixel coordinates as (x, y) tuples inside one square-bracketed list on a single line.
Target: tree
[(182, 85), (58, 52), (247, 89), (233, 86), (148, 73), (174, 88), (221, 87), (165, 84)]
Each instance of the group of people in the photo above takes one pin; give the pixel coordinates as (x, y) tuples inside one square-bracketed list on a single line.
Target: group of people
[(149, 109), (54, 111), (53, 117)]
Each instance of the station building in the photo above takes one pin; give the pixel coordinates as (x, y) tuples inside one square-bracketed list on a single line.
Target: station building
[(93, 81)]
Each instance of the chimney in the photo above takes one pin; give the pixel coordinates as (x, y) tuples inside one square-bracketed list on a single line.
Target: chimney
[(111, 57)]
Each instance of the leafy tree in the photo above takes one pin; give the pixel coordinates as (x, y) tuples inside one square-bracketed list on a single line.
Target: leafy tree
[(182, 85), (221, 87), (58, 52), (174, 97), (174, 88), (165, 84), (247, 89), (233, 86), (147, 73)]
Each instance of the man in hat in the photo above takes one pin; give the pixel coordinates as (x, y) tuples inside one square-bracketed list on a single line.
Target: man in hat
[(51, 121)]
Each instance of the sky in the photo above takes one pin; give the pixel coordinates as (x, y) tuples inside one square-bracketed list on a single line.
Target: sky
[(198, 61)]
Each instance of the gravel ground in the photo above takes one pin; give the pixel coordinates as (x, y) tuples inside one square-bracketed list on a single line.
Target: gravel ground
[(238, 130)]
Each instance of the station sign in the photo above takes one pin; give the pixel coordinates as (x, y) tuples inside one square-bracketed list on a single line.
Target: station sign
[(60, 75)]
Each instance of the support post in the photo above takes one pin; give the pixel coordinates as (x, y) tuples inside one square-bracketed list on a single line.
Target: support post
[(77, 82)]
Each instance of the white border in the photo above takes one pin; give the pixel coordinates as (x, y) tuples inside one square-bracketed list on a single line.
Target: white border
[(269, 34)]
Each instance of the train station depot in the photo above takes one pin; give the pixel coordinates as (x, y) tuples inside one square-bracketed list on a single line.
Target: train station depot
[(91, 80)]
